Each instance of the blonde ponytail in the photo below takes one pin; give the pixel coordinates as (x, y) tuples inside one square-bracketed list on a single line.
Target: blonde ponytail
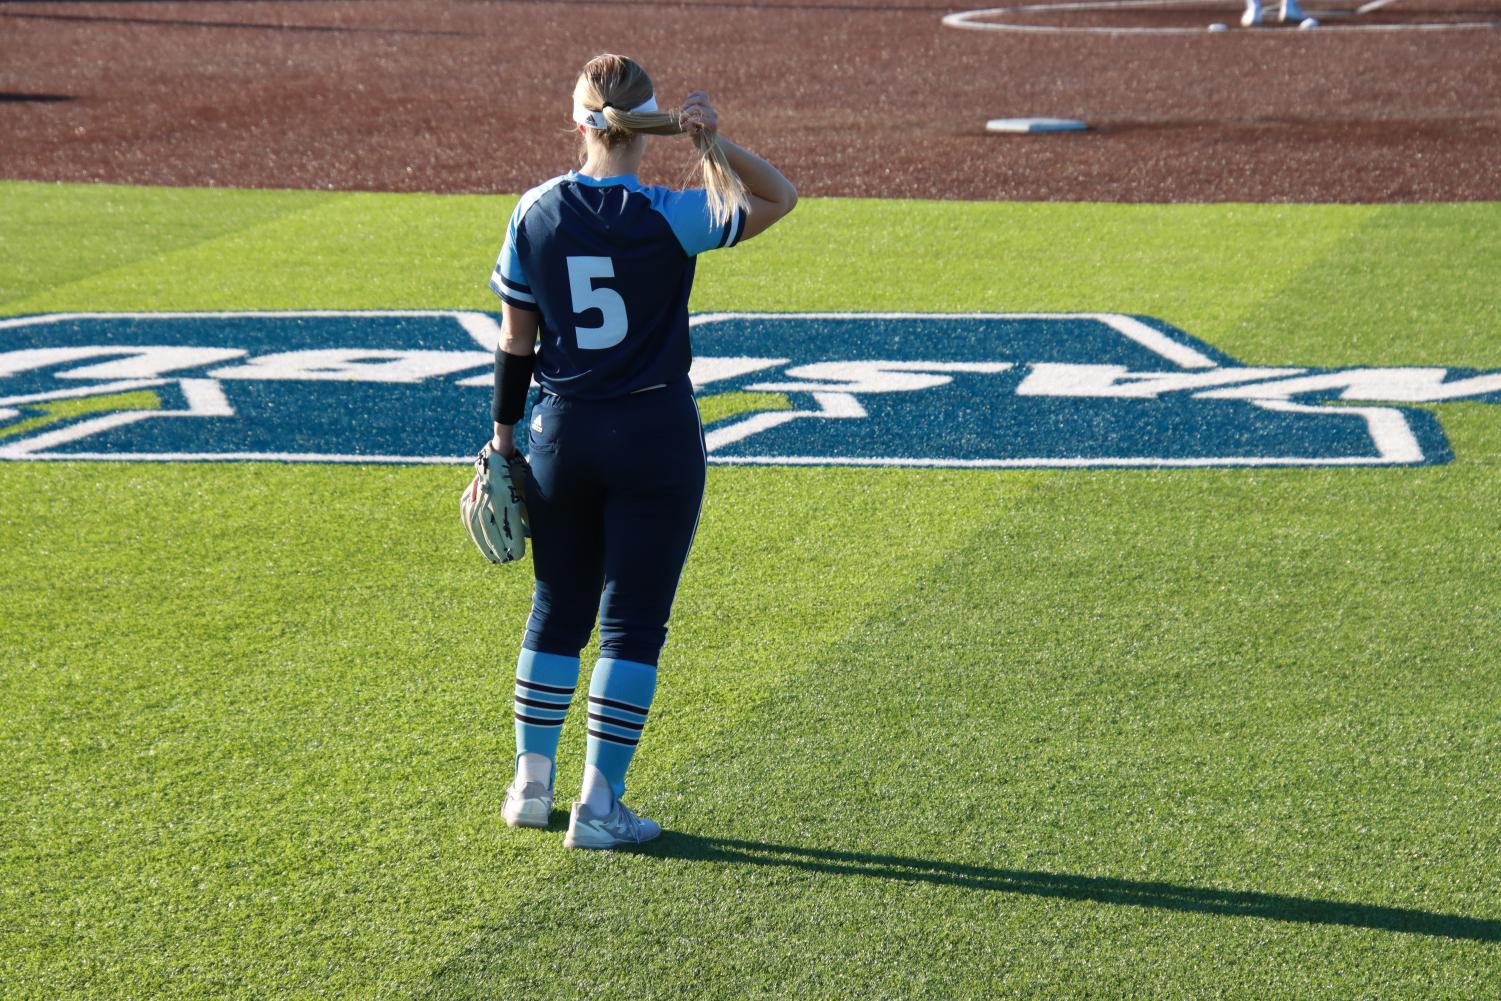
[(725, 189), (610, 83)]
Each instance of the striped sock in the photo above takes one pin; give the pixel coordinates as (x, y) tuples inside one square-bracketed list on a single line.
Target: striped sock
[(619, 697), (544, 687)]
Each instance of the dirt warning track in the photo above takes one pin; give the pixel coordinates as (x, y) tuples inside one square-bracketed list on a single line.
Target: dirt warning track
[(851, 98)]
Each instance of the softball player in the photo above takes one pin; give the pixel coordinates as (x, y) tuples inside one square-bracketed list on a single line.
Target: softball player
[(595, 273)]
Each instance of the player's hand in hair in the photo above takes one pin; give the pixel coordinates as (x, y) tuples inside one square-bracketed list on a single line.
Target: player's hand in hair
[(698, 115)]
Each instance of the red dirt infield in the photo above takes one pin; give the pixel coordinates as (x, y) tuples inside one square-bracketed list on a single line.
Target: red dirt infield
[(850, 98)]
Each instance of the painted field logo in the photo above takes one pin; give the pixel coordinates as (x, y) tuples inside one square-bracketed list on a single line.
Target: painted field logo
[(982, 390)]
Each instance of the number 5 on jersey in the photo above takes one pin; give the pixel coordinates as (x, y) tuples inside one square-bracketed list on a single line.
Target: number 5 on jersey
[(581, 274)]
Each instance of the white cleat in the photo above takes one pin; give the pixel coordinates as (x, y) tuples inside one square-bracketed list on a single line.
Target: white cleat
[(1251, 17), (1291, 12), (619, 827), (528, 805)]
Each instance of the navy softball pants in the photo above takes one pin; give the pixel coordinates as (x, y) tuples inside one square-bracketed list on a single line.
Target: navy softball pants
[(613, 494)]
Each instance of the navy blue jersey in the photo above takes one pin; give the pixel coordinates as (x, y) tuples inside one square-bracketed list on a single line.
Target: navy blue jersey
[(608, 263)]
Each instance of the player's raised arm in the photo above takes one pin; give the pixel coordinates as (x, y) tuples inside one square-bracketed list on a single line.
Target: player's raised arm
[(768, 194)]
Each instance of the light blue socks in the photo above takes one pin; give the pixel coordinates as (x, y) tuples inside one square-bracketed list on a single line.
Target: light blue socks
[(619, 696), (544, 687)]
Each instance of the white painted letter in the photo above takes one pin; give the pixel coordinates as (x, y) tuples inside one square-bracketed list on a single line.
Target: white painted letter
[(1374, 385), (145, 362), (355, 365), (875, 376), (1053, 379)]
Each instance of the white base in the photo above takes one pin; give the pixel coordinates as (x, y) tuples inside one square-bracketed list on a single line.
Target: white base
[(1031, 125)]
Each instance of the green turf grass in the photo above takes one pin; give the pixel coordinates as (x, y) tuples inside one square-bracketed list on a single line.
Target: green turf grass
[(919, 733)]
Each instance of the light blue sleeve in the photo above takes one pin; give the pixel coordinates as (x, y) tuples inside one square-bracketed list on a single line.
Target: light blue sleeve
[(687, 212), (508, 279)]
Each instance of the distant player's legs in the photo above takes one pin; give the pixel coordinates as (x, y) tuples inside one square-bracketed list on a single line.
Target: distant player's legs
[(1287, 10)]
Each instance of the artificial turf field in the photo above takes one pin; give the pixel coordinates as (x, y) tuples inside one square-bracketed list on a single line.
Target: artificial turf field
[(918, 732)]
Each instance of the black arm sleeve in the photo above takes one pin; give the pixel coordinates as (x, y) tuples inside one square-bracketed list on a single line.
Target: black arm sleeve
[(513, 380)]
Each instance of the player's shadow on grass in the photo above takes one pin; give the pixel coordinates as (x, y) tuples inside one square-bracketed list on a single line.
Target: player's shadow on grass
[(1130, 892)]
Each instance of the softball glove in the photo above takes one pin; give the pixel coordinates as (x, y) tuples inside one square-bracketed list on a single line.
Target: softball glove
[(493, 507)]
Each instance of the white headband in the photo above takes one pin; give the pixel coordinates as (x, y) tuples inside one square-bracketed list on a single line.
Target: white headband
[(596, 119)]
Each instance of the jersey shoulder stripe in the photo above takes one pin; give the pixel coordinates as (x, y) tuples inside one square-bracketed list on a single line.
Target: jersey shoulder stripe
[(733, 229)]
